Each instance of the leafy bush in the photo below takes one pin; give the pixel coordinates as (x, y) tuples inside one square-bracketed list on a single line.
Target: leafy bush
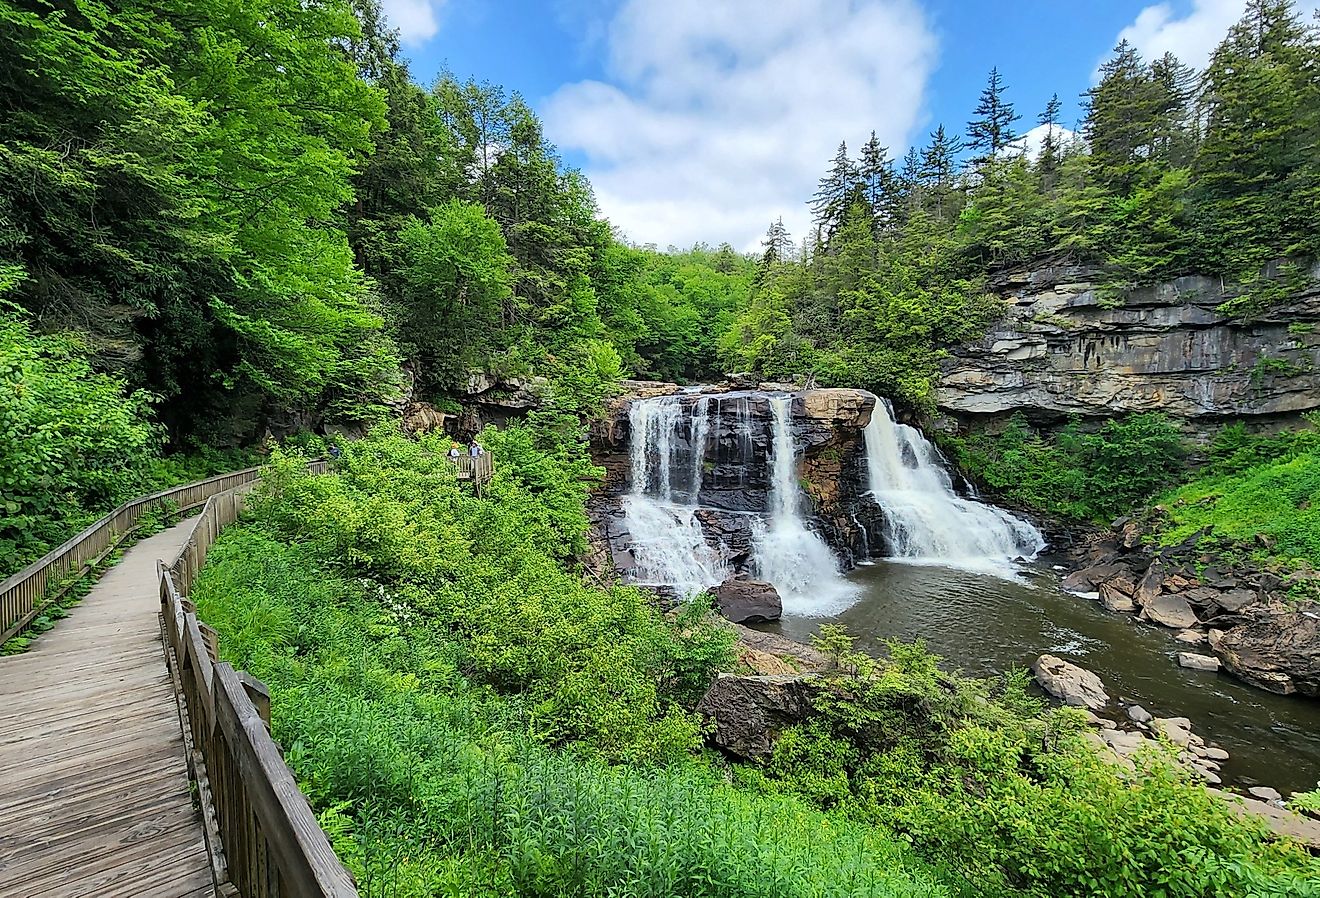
[(484, 578), (1088, 476), (1013, 796), (72, 442)]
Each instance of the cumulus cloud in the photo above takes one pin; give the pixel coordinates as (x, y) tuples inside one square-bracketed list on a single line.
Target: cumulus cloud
[(1191, 37), (1034, 140), (718, 117), (417, 20)]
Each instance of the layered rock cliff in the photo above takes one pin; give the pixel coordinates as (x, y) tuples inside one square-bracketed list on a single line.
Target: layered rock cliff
[(1066, 347)]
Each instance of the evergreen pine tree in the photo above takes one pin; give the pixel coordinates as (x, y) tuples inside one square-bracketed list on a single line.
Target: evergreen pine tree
[(1047, 164), (937, 170), (876, 174), (992, 129), (836, 191)]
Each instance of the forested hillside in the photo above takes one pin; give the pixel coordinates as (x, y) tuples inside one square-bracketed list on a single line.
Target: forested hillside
[(1174, 172)]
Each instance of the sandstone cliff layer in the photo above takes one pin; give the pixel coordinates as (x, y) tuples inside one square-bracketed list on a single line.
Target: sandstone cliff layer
[(1067, 347)]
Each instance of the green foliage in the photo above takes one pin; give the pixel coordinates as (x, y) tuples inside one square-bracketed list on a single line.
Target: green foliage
[(1015, 797), (1089, 476), (485, 576), (449, 695), (1255, 490), (71, 441), (168, 180)]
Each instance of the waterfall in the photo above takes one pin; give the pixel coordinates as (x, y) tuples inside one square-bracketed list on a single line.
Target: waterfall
[(788, 553), (668, 545), (925, 520)]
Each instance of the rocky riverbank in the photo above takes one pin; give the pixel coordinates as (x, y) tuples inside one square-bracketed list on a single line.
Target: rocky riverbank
[(1122, 731), (1231, 612)]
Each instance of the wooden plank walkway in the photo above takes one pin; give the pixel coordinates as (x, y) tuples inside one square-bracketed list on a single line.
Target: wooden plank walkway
[(94, 792)]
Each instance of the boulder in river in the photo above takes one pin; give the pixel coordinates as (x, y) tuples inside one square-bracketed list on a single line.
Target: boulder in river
[(747, 601), (750, 712), (1114, 597), (1193, 661), (1069, 683), (1276, 649), (1171, 610)]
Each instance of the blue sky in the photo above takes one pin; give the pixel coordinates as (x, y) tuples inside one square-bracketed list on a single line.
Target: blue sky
[(702, 120)]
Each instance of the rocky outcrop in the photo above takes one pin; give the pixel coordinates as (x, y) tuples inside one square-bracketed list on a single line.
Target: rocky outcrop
[(1068, 347), (749, 713), (1240, 609), (1274, 647), (1069, 683), (747, 601)]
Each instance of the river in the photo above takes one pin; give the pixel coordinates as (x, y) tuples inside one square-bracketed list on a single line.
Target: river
[(983, 624)]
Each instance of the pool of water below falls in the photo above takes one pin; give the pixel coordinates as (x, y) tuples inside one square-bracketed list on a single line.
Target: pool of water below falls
[(984, 624)]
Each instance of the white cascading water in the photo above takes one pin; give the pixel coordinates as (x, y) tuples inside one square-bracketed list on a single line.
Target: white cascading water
[(788, 553), (925, 520), (668, 545)]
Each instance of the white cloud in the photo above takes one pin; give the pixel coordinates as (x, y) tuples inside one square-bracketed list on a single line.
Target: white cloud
[(1191, 37), (417, 20), (720, 116), (1034, 140)]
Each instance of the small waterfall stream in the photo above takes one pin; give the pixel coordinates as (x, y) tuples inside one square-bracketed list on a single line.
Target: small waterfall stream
[(925, 520), (669, 547), (789, 554)]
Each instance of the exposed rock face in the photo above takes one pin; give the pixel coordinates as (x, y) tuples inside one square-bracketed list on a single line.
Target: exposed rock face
[(1064, 348), (750, 712), (1070, 683), (1275, 648), (747, 601)]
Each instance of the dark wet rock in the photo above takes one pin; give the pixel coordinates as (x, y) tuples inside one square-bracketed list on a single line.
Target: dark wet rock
[(1274, 648), (1114, 597), (1170, 610), (747, 601), (1069, 683), (1089, 579), (749, 713), (1234, 600)]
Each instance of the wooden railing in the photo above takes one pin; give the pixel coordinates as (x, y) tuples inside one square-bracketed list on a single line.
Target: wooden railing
[(262, 836), (26, 593), (476, 468)]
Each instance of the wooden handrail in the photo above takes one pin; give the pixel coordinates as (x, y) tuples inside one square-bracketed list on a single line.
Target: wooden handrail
[(262, 836), (477, 468), (24, 594)]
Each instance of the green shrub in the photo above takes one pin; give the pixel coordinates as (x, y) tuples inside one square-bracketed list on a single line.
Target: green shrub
[(1254, 487), (1088, 476), (72, 441), (1013, 796)]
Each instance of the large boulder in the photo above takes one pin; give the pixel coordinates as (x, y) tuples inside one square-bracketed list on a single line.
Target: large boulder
[(749, 713), (1274, 648), (747, 601), (1070, 683), (1171, 610)]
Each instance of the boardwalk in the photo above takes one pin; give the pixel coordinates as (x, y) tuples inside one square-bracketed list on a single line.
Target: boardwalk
[(94, 792)]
